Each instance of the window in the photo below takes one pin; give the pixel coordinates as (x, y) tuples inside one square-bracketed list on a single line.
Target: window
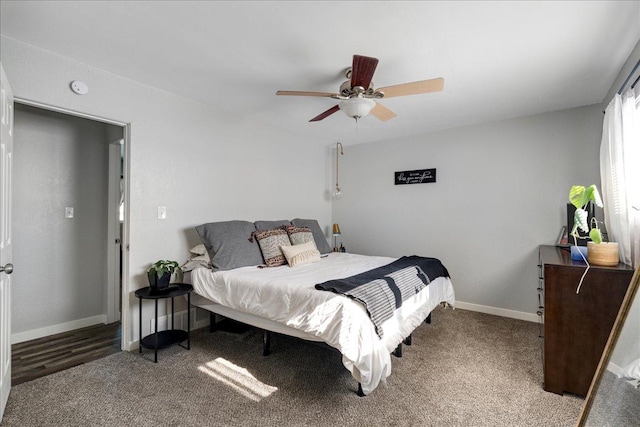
[(620, 175)]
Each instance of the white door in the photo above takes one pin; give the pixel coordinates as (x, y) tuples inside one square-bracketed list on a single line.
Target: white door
[(6, 150)]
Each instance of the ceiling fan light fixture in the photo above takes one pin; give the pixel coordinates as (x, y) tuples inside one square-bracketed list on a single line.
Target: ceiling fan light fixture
[(358, 93), (357, 107)]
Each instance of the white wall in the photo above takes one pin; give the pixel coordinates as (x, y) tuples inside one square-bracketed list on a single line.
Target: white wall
[(201, 163), (59, 161), (501, 191), (501, 187)]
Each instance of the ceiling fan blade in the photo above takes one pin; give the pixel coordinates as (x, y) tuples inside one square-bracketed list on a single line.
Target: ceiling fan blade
[(302, 93), (362, 70), (327, 113), (414, 88), (382, 113)]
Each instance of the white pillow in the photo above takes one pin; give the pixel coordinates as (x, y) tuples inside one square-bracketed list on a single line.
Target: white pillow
[(632, 370), (198, 257), (305, 253), (199, 261), (199, 250)]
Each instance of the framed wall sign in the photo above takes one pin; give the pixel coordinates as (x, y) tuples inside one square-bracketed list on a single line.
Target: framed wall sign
[(420, 176)]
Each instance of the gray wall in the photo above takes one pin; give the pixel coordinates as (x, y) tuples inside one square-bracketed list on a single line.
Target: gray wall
[(200, 162), (59, 161), (501, 187), (501, 191)]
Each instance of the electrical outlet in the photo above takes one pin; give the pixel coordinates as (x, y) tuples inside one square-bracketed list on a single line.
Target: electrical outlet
[(68, 212), (162, 212)]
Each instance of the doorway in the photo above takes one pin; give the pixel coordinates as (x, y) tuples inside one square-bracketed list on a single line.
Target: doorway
[(68, 194)]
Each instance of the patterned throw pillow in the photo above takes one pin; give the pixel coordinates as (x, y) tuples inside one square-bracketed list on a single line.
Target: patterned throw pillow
[(318, 235), (300, 235), (270, 242)]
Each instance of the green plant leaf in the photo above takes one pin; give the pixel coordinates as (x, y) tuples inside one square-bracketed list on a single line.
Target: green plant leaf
[(595, 196), (577, 196), (580, 220), (596, 236)]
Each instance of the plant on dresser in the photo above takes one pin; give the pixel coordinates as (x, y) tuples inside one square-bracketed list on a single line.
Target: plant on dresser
[(598, 252), (580, 197)]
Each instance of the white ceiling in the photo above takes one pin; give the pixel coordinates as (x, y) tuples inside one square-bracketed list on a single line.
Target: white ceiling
[(499, 59)]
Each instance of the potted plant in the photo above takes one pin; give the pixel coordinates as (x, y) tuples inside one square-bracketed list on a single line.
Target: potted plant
[(159, 274), (598, 252)]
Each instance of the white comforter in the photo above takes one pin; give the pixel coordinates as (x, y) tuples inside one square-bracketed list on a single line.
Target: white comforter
[(287, 296)]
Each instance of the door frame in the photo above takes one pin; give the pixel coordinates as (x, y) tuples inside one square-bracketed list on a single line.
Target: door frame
[(126, 134), (114, 233)]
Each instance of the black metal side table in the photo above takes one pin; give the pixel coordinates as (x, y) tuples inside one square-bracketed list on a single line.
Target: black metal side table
[(163, 339)]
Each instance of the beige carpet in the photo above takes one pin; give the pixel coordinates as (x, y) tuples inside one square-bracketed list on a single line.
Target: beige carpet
[(465, 369)]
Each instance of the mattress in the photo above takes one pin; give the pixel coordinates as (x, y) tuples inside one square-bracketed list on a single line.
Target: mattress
[(286, 297)]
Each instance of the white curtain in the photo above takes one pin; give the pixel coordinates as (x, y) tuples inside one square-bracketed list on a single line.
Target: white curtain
[(620, 173)]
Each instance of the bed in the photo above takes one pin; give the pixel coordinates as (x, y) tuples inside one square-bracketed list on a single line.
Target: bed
[(286, 300)]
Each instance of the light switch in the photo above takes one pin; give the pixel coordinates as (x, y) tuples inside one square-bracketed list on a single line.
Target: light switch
[(68, 212), (162, 212)]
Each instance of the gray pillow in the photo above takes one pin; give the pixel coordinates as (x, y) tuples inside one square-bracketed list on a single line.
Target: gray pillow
[(318, 235), (270, 225), (228, 244)]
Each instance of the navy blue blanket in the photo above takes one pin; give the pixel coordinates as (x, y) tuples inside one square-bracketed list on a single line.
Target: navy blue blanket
[(383, 289)]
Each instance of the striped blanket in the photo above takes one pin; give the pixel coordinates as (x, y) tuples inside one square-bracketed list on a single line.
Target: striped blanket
[(383, 289)]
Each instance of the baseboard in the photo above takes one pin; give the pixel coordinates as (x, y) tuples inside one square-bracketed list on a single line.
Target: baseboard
[(180, 323), (180, 316), (202, 323), (617, 371), (56, 329), (520, 315), (614, 369)]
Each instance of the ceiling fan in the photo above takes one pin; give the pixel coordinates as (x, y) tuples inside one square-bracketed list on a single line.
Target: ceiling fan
[(358, 96)]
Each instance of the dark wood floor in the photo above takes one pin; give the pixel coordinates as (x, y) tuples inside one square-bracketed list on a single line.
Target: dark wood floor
[(44, 356)]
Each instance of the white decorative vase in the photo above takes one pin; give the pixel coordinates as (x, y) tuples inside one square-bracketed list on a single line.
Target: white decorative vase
[(606, 253)]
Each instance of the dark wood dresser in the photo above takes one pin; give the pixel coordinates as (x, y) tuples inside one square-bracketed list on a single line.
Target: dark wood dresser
[(576, 326)]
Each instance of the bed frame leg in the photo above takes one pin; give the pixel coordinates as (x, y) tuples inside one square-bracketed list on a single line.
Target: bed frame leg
[(428, 319), (212, 321), (360, 392), (398, 351), (266, 343), (407, 340)]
